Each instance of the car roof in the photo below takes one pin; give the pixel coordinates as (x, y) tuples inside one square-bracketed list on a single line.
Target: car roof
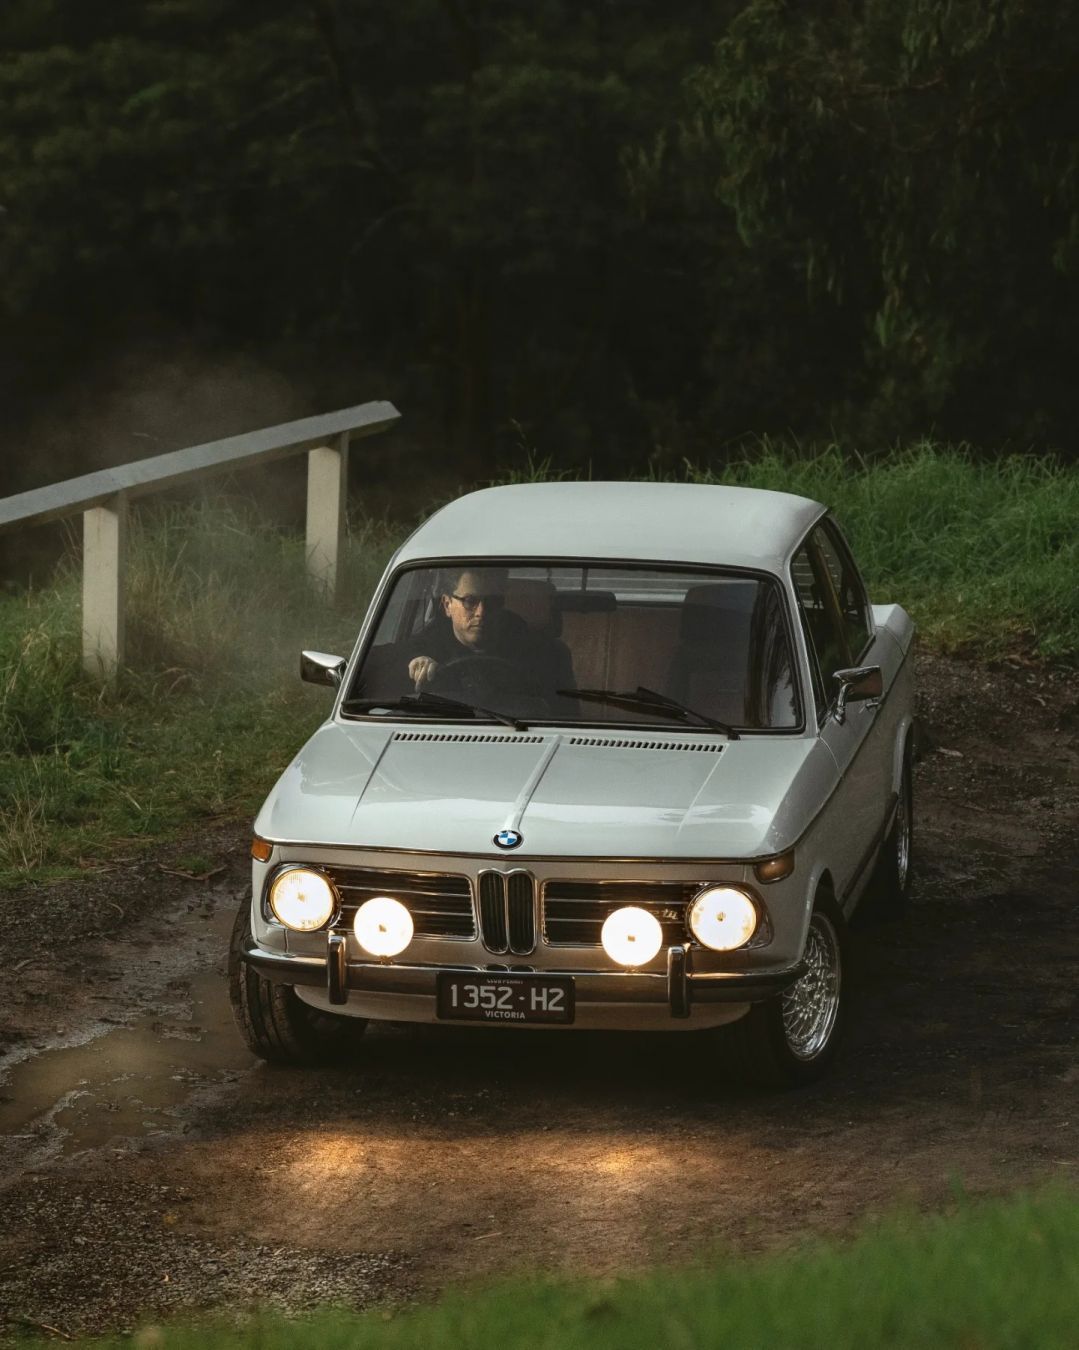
[(654, 522)]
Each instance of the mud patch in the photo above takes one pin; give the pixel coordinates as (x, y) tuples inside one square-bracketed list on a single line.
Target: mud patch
[(183, 1175)]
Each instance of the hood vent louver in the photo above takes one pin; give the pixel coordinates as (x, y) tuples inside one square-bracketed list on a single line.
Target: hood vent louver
[(469, 737), (606, 743)]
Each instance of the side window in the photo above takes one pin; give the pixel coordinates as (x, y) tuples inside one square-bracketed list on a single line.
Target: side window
[(819, 630), (771, 700), (846, 586), (814, 668)]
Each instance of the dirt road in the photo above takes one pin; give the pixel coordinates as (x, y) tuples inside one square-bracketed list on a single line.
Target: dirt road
[(151, 1165)]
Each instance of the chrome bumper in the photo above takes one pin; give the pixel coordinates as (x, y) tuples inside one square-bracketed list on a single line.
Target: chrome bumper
[(680, 988)]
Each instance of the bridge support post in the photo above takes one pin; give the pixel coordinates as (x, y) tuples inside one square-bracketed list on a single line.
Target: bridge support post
[(104, 533), (327, 494)]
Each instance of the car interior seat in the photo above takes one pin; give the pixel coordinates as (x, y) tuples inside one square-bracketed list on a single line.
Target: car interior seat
[(709, 671)]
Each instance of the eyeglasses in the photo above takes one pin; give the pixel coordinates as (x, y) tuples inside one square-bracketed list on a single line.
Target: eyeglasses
[(470, 603)]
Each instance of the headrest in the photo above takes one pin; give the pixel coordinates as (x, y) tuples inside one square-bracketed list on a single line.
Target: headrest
[(586, 602), (534, 600), (718, 613)]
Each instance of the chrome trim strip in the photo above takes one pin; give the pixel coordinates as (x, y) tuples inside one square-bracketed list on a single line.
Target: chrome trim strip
[(666, 859), (593, 986)]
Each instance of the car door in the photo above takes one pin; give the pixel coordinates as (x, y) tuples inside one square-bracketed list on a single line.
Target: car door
[(840, 634)]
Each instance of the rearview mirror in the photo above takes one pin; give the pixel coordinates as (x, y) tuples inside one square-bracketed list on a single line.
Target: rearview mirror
[(857, 684), (321, 668)]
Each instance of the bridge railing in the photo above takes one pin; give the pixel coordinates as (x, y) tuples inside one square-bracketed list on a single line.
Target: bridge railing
[(103, 498)]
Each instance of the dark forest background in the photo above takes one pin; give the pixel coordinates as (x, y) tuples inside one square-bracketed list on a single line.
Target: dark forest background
[(604, 231)]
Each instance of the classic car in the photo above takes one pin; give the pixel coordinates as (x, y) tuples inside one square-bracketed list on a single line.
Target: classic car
[(606, 755)]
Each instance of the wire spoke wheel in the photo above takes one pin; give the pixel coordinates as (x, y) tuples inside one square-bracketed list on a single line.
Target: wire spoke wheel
[(810, 1007), (903, 837)]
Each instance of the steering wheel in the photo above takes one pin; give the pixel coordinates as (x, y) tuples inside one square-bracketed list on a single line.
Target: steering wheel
[(484, 679)]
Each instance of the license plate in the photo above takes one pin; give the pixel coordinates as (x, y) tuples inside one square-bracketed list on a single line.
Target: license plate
[(505, 998)]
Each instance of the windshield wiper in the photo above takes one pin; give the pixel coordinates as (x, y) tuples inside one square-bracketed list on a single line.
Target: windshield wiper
[(647, 699), (424, 699)]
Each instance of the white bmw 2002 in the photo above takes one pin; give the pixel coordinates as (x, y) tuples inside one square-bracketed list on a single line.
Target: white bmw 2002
[(606, 755)]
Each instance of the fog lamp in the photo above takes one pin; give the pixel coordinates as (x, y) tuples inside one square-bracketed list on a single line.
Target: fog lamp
[(301, 899), (723, 918), (383, 926), (631, 936)]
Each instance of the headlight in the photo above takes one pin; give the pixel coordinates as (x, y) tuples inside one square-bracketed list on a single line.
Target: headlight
[(723, 918), (631, 936), (302, 899), (383, 926)]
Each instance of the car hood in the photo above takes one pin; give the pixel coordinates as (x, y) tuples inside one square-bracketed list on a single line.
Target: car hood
[(569, 795)]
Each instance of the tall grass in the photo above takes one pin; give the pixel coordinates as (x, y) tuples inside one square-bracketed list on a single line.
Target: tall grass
[(999, 1275), (984, 554), (207, 713)]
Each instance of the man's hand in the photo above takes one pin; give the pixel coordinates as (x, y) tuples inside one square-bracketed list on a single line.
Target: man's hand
[(420, 671)]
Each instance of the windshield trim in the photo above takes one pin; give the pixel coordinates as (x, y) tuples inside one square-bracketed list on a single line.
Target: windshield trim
[(381, 596)]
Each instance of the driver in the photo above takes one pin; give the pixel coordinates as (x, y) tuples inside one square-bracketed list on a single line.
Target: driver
[(471, 621)]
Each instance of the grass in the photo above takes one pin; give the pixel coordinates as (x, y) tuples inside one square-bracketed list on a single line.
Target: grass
[(995, 1275), (209, 711), (984, 554)]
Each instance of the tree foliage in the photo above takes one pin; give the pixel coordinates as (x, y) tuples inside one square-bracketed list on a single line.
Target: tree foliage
[(924, 160), (614, 229)]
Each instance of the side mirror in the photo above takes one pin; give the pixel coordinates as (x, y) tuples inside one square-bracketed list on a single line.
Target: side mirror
[(321, 668), (857, 684)]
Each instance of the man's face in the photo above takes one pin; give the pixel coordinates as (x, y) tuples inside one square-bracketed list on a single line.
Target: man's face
[(470, 605)]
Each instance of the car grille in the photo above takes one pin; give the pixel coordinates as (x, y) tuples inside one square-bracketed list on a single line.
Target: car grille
[(440, 904), (574, 911), (508, 912)]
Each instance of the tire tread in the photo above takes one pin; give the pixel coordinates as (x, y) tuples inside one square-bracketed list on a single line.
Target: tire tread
[(276, 1024)]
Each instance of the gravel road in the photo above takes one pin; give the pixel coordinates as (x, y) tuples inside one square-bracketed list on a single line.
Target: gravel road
[(150, 1166)]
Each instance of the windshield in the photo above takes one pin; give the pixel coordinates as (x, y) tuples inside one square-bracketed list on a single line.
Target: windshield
[(523, 641)]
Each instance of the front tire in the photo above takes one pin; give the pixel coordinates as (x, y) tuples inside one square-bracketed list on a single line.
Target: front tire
[(891, 881), (791, 1039), (277, 1025)]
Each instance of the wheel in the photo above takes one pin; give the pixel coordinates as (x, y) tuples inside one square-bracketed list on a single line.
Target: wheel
[(890, 884), (277, 1025), (791, 1039)]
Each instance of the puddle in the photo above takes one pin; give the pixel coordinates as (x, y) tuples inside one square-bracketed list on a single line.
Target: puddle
[(130, 1081)]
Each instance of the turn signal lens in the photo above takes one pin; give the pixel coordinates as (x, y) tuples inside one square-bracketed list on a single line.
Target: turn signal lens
[(722, 918), (631, 936), (301, 899), (383, 926), (774, 869), (261, 849)]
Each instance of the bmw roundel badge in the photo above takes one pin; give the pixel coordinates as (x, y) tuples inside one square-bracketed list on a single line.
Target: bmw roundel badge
[(508, 839)]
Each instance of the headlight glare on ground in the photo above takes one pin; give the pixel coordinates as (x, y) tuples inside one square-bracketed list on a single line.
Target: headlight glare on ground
[(383, 926), (302, 899), (631, 936), (723, 918)]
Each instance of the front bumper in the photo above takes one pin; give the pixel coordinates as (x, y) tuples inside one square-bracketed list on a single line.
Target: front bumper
[(680, 988)]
